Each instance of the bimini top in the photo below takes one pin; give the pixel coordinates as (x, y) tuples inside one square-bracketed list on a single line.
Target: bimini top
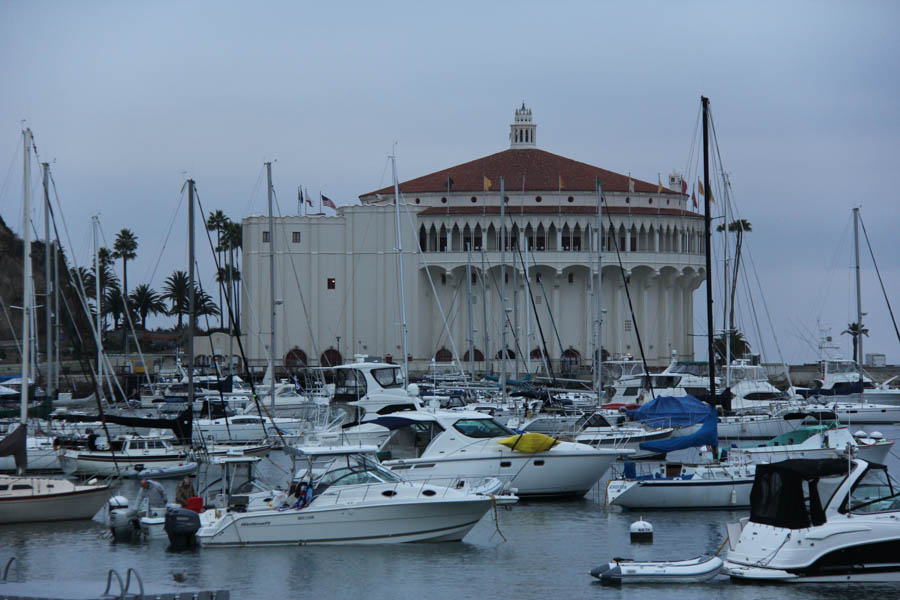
[(777, 497)]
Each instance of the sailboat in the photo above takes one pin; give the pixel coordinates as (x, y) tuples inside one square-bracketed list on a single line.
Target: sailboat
[(715, 485), (25, 498)]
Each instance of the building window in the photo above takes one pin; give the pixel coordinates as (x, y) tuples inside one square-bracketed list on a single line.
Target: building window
[(331, 283), (295, 237), (417, 200), (444, 200), (474, 199), (265, 237), (506, 278), (537, 277), (627, 200), (571, 199), (571, 277), (474, 279), (443, 279), (538, 199), (505, 199), (651, 201)]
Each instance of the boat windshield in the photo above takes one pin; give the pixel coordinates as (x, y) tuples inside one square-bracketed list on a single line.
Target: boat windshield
[(874, 492), (356, 469), (388, 377), (482, 428)]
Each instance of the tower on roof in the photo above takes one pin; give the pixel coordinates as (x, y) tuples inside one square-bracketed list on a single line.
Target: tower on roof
[(522, 131)]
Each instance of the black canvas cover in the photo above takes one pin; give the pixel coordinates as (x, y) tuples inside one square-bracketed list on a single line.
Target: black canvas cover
[(15, 444), (777, 496), (180, 425)]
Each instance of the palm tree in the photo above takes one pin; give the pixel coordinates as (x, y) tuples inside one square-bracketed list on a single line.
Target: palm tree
[(204, 305), (738, 226), (739, 346), (228, 275), (114, 304), (855, 330), (125, 247), (107, 279), (145, 301), (217, 222), (176, 290), (234, 239)]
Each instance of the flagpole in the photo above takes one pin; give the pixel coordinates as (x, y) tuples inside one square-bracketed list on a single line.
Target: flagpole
[(320, 202)]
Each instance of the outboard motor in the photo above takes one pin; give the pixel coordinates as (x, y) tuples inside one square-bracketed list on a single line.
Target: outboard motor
[(181, 525), (123, 521)]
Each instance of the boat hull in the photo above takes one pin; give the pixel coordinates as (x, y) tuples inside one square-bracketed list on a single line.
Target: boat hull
[(694, 570), (543, 474), (99, 464), (680, 493), (79, 504), (435, 521)]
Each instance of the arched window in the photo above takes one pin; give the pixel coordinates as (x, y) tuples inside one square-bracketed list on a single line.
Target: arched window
[(467, 238), (571, 359), (443, 356), (330, 358), (509, 354), (576, 238), (540, 243), (477, 242), (442, 241), (566, 238), (479, 355), (537, 353), (423, 239), (295, 358)]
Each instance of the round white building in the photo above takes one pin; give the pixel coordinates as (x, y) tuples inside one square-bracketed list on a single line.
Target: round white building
[(338, 291)]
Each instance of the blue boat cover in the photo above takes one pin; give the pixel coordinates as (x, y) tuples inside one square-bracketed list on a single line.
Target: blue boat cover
[(708, 434), (668, 411)]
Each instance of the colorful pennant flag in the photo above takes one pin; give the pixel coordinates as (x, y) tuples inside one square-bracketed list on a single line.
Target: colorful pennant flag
[(487, 184)]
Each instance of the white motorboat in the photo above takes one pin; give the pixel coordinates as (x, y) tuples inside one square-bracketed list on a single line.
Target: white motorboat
[(248, 428), (799, 532), (817, 441), (861, 413), (41, 455), (355, 501), (694, 570), (678, 486), (444, 446), (36, 499), (844, 381), (123, 455)]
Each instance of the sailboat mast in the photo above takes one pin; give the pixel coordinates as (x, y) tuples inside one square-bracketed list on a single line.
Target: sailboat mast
[(272, 284), (598, 356), (48, 286), (859, 348), (99, 297), (192, 315), (502, 291), (484, 320), (706, 217), (469, 309), (403, 331), (26, 274)]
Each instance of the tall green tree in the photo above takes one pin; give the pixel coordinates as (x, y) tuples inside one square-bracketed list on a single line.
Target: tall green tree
[(234, 240), (147, 301), (740, 347), (176, 289), (218, 222), (125, 247), (737, 227), (107, 279), (854, 330), (114, 304)]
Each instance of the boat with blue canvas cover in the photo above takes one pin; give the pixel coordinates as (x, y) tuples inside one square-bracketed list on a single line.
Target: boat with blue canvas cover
[(671, 485)]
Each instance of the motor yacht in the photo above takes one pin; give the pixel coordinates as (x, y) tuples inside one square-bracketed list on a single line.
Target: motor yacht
[(818, 521), (444, 446), (354, 500)]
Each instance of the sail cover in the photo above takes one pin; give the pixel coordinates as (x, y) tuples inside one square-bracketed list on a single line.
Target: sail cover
[(180, 425), (668, 411), (708, 434), (15, 444)]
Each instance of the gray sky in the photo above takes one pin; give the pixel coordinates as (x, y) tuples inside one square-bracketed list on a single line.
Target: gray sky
[(126, 96)]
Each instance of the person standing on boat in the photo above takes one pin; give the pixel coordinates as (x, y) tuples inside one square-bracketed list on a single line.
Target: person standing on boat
[(185, 490), (154, 492)]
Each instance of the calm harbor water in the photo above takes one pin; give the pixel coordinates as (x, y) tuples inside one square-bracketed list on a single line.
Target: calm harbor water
[(549, 550)]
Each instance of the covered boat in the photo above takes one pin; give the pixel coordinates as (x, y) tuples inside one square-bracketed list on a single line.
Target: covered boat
[(818, 520)]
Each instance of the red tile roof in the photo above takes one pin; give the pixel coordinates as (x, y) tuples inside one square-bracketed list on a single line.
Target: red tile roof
[(542, 171), (553, 210)]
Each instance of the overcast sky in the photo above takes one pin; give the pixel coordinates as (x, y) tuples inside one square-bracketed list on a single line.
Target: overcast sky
[(124, 98)]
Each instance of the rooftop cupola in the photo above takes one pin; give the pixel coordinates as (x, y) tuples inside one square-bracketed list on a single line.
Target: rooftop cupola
[(522, 131)]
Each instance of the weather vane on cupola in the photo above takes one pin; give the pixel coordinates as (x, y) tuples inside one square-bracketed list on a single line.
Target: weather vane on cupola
[(522, 131)]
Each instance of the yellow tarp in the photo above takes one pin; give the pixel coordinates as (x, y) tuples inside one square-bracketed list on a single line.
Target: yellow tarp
[(529, 442)]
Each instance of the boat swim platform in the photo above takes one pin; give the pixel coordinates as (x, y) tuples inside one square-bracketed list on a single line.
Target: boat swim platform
[(12, 587)]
